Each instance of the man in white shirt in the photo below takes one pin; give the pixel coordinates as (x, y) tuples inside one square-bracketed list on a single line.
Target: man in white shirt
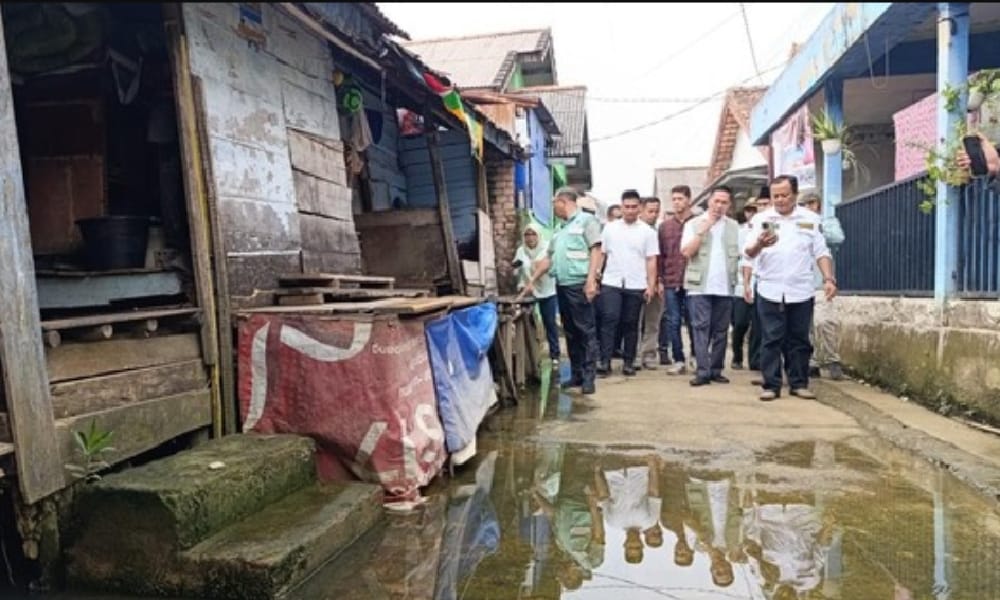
[(786, 241), (710, 242), (630, 248)]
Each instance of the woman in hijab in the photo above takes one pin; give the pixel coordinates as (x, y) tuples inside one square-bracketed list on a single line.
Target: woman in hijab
[(531, 251)]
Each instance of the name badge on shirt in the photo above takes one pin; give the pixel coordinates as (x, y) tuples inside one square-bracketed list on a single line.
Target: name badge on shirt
[(809, 226), (575, 229)]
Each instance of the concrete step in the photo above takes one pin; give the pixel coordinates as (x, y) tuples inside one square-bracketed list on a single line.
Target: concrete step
[(131, 524), (271, 552)]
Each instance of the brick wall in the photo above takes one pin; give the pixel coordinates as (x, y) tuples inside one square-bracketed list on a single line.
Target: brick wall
[(503, 214)]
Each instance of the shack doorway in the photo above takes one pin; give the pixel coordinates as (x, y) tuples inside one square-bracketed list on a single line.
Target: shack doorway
[(118, 298)]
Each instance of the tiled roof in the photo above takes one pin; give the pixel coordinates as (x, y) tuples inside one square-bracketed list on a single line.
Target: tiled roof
[(480, 61), (736, 108), (387, 24), (568, 106)]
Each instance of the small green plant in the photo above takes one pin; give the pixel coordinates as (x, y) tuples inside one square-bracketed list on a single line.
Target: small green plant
[(825, 128), (951, 96), (91, 446)]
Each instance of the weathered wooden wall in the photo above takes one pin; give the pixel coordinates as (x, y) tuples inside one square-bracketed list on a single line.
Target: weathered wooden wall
[(388, 181), (460, 180), (278, 212)]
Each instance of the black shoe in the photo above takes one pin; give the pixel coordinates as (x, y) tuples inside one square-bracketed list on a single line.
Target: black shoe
[(836, 372), (603, 370), (665, 358), (700, 381), (572, 383), (616, 354), (737, 365), (757, 381), (628, 371), (814, 371), (720, 379), (588, 388)]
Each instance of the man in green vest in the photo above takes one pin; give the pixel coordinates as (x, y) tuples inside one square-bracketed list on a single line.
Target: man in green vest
[(711, 244), (574, 257)]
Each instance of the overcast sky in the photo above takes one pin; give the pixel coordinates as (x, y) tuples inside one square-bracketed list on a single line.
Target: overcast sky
[(625, 52)]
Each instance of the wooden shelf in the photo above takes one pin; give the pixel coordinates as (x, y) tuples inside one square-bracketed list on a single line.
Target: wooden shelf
[(113, 318)]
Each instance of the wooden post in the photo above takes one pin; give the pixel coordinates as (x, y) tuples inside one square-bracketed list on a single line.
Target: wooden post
[(26, 380), (230, 420), (444, 210), (197, 205)]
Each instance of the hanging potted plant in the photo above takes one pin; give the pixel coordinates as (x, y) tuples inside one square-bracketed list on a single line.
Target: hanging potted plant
[(942, 166), (983, 85), (829, 133)]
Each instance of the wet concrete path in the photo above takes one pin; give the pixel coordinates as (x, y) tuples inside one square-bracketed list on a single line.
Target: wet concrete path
[(653, 489)]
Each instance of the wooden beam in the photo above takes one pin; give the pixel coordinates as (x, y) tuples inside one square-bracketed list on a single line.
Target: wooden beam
[(444, 209), (197, 203), (77, 361), (39, 464), (227, 370)]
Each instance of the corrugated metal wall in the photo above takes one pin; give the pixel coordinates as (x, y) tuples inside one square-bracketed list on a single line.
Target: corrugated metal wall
[(460, 179)]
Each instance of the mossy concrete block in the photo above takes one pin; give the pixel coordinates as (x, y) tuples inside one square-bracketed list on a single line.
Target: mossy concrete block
[(129, 527), (269, 553)]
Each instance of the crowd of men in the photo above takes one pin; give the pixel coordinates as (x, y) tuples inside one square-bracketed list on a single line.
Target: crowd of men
[(626, 289)]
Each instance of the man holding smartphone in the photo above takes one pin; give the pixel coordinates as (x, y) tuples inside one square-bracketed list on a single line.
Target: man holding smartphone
[(786, 241), (979, 156)]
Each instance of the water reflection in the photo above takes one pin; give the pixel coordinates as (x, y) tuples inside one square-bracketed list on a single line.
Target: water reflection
[(805, 521)]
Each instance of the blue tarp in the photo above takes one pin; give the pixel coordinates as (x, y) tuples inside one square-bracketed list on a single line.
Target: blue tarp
[(458, 344)]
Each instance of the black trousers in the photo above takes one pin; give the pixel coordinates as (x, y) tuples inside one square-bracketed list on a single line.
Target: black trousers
[(745, 321), (710, 318), (620, 309), (785, 339), (581, 336)]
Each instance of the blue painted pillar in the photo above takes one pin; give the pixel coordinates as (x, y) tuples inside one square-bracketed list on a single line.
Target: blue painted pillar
[(833, 171), (953, 70)]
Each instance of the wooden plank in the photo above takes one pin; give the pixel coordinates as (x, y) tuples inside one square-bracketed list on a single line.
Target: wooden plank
[(194, 182), (437, 171), (227, 371), (26, 385), (300, 299), (114, 318), (140, 426), (74, 361), (309, 279), (101, 291), (414, 217), (319, 157), (352, 293), (100, 393), (5, 449), (520, 353), (5, 435), (333, 308)]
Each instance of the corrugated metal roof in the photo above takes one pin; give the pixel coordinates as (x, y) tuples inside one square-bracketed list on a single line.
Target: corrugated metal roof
[(480, 61), (568, 105)]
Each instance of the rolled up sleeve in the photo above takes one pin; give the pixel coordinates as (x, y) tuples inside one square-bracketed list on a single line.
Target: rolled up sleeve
[(592, 233), (819, 247)]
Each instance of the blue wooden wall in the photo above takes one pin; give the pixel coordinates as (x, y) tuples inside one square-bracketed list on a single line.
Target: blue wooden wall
[(460, 180), (539, 179), (387, 179)]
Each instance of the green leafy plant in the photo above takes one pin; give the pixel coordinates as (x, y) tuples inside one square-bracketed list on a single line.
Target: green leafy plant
[(986, 81), (942, 167), (91, 446), (951, 96), (825, 128)]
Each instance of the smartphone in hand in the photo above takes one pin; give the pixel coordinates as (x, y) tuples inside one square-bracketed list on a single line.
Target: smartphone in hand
[(974, 148)]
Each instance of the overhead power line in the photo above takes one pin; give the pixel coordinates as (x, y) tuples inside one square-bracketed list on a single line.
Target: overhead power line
[(701, 37), (687, 109), (746, 25)]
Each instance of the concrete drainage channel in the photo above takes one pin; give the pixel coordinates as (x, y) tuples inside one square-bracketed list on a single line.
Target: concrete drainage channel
[(975, 471)]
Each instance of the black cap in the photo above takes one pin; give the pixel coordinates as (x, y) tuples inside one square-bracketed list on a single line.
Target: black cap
[(765, 192)]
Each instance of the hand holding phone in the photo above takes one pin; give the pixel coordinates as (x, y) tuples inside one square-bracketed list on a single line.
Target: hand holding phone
[(977, 159)]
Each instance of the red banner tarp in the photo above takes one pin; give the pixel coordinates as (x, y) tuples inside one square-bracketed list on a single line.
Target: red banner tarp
[(362, 390)]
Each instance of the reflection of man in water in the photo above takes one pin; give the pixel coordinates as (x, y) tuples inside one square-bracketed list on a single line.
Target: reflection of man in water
[(787, 538), (675, 512), (716, 521), (630, 499), (577, 525)]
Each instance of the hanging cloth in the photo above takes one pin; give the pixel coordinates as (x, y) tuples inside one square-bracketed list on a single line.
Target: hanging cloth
[(121, 67)]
